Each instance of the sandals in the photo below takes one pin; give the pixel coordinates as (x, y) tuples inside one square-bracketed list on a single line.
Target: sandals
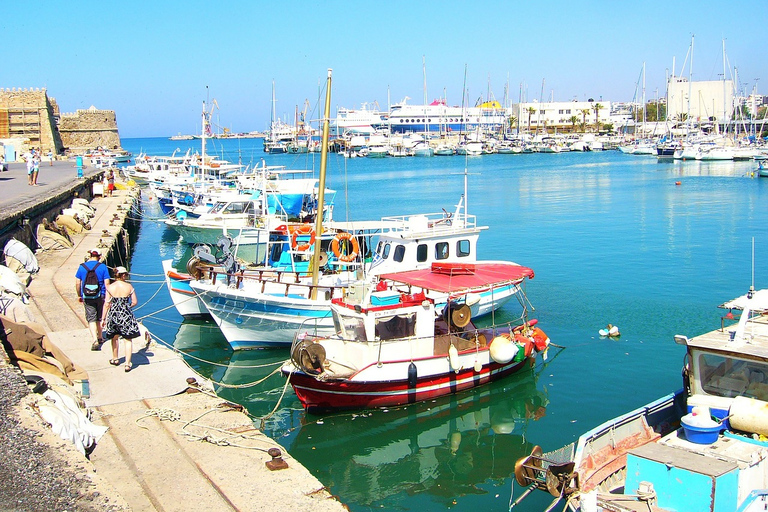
[(114, 362), (128, 368)]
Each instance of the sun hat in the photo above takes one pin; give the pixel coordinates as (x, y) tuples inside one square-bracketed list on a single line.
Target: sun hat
[(120, 271)]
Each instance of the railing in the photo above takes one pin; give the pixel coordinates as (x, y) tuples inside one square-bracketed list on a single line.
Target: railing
[(275, 277)]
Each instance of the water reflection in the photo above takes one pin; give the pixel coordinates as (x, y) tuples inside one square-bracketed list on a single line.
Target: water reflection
[(446, 448)]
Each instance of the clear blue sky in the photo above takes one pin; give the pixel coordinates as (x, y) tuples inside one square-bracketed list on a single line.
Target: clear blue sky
[(150, 62)]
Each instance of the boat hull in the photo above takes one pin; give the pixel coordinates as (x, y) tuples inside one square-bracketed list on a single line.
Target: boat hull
[(184, 298), (318, 396), (265, 320)]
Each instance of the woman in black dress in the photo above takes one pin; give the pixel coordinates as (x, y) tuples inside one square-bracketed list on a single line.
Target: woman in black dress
[(118, 319)]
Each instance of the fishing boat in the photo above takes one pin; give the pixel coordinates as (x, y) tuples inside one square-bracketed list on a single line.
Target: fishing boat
[(762, 168), (700, 448), (393, 346)]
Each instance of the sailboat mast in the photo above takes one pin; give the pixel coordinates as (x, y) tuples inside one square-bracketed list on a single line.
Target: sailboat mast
[(321, 191)]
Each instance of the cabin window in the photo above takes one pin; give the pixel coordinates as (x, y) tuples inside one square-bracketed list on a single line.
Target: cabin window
[(730, 376), (462, 248), (421, 253), (399, 253), (349, 327), (234, 208), (441, 251), (217, 207), (393, 327), (385, 252)]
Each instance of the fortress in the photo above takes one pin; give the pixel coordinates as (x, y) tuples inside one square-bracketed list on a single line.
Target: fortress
[(29, 118)]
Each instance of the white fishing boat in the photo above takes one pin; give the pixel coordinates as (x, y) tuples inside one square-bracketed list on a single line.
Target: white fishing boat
[(700, 448), (393, 346)]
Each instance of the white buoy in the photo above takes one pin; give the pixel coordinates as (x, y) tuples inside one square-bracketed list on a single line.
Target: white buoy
[(502, 349), (453, 357)]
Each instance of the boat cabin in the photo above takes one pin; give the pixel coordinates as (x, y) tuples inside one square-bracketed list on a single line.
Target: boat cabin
[(732, 361), (418, 241), (386, 315)]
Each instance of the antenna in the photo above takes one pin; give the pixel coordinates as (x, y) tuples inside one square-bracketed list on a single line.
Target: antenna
[(752, 287)]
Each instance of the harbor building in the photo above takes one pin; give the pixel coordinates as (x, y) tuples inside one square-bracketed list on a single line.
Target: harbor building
[(711, 100), (29, 118), (562, 116)]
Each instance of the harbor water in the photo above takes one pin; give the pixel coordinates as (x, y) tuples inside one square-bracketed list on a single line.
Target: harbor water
[(647, 245)]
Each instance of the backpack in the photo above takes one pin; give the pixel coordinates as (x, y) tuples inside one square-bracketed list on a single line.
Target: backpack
[(91, 285)]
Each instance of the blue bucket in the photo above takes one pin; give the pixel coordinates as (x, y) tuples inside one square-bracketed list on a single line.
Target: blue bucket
[(702, 435)]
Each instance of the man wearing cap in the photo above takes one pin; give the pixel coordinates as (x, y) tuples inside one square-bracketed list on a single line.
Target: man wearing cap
[(93, 306)]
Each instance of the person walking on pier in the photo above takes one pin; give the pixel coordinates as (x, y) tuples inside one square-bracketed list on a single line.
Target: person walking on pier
[(35, 167), (92, 278), (50, 156), (28, 159), (118, 319)]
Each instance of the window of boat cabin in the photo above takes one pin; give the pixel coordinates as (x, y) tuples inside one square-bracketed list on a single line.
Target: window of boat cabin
[(349, 327), (399, 254), (234, 208), (421, 253), (441, 251), (394, 327), (217, 207), (462, 248), (729, 376)]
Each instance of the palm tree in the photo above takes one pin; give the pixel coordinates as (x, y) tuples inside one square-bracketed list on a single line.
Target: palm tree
[(584, 113), (573, 120), (596, 107), (531, 111), (512, 122)]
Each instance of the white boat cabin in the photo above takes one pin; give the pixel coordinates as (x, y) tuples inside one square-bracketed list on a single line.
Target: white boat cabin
[(417, 241)]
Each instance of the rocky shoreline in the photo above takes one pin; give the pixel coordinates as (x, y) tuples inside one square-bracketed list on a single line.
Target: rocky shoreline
[(39, 470)]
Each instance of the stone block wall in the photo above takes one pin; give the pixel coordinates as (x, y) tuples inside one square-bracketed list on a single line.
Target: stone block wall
[(89, 129)]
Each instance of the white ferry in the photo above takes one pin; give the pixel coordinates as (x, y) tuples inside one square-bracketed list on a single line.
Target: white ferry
[(439, 117)]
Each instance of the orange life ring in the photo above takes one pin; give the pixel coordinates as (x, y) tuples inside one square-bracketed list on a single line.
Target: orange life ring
[(304, 229), (336, 246)]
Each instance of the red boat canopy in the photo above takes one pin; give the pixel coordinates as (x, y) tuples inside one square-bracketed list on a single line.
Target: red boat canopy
[(450, 278)]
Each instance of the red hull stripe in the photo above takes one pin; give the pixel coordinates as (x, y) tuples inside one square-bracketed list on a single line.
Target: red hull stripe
[(316, 395)]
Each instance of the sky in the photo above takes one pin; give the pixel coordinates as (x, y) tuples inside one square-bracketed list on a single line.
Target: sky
[(155, 62)]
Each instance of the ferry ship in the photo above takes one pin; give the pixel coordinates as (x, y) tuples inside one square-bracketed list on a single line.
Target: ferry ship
[(364, 121), (489, 116)]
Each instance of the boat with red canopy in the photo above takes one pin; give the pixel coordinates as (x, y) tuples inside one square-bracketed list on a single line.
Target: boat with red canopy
[(396, 344)]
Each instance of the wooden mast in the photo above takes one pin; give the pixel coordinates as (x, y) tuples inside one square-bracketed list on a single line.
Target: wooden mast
[(321, 188)]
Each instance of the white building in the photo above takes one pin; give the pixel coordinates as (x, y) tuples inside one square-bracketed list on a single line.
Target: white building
[(558, 116), (700, 101)]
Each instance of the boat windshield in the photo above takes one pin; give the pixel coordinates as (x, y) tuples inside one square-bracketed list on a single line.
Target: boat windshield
[(350, 328), (728, 376)]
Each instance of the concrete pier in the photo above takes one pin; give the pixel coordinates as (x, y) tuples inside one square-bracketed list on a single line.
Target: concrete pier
[(169, 446)]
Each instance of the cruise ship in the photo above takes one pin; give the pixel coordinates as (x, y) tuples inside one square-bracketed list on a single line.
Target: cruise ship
[(364, 121), (439, 117)]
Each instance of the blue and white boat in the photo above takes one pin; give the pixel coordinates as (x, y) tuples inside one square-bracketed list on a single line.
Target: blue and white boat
[(703, 447)]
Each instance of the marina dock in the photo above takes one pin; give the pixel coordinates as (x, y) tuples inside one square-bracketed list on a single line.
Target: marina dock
[(171, 444)]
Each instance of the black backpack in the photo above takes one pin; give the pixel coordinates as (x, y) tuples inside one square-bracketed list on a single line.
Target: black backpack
[(91, 285)]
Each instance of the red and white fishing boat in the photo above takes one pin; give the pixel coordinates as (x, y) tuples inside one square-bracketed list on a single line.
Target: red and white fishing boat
[(392, 346)]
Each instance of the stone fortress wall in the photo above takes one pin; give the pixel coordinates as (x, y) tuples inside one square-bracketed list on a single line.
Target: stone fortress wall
[(29, 118)]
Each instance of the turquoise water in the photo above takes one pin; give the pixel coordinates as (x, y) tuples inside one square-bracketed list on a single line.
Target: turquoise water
[(612, 239)]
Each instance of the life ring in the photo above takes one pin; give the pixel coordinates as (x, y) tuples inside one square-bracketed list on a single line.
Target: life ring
[(336, 246), (304, 229)]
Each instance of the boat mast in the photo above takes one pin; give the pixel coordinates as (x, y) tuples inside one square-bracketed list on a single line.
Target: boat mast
[(321, 191)]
